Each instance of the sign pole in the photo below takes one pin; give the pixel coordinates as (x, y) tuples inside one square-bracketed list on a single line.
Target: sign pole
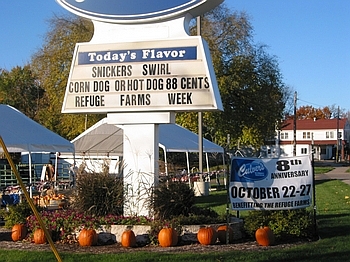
[(313, 186), (200, 117), (228, 191)]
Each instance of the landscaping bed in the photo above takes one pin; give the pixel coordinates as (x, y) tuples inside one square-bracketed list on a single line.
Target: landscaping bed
[(7, 243)]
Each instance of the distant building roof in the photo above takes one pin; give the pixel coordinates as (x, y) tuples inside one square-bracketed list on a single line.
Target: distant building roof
[(310, 124)]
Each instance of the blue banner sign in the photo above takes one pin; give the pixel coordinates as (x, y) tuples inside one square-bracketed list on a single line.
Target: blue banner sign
[(138, 55)]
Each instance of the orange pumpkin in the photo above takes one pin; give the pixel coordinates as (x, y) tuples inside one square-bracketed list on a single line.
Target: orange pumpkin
[(222, 234), (207, 235), (128, 238), (39, 236), (167, 237), (19, 232), (264, 236), (87, 237)]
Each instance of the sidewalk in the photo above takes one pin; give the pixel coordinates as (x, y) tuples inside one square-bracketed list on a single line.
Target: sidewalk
[(337, 173)]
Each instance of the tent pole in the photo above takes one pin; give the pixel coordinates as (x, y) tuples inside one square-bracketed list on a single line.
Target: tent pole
[(165, 162), (206, 158), (188, 169), (224, 164), (188, 163), (56, 160), (30, 175)]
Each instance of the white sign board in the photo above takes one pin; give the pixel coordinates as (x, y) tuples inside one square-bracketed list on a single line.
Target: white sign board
[(167, 75), (271, 183)]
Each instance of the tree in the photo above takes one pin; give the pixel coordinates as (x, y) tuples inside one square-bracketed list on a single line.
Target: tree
[(20, 89), (52, 65), (249, 80), (327, 112)]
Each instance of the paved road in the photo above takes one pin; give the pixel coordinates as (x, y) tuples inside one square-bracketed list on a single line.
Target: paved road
[(337, 173)]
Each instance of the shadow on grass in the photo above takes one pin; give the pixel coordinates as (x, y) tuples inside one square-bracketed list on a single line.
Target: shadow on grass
[(308, 255), (320, 182), (333, 225), (218, 198)]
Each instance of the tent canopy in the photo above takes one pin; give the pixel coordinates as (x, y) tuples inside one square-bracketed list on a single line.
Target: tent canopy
[(175, 138), (103, 138), (22, 134)]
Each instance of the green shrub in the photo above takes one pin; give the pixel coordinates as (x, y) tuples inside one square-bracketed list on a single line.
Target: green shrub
[(201, 219), (171, 199), (99, 194), (16, 214), (284, 223)]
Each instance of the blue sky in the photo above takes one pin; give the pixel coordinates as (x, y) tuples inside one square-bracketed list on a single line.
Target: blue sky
[(310, 39)]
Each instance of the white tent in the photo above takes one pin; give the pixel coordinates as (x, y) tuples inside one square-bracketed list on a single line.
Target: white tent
[(100, 139), (105, 139), (22, 134), (175, 138)]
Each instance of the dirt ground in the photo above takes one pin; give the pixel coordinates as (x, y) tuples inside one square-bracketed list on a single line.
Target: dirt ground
[(7, 243)]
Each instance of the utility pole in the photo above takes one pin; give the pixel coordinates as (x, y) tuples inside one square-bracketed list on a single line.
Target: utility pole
[(295, 126), (337, 152)]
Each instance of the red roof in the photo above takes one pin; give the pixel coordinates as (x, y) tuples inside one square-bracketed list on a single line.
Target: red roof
[(310, 124)]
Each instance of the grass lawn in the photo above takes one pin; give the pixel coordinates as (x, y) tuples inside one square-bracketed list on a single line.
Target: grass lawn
[(333, 217), (323, 169)]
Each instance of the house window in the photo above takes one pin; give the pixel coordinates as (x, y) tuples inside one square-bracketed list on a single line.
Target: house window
[(304, 151), (306, 135), (284, 135), (329, 134)]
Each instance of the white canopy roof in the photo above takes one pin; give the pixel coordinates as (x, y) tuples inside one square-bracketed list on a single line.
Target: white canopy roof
[(100, 139), (22, 134), (103, 138), (175, 138)]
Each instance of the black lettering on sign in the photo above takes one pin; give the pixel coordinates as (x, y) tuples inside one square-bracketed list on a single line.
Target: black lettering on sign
[(194, 82), (155, 69), (180, 98), (128, 85), (101, 86), (135, 100), (89, 101), (255, 192), (111, 71), (79, 87)]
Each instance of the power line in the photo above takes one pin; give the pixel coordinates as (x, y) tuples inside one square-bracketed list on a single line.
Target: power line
[(311, 103)]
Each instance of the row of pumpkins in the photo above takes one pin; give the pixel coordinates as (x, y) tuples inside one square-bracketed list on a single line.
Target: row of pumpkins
[(87, 237), (167, 237)]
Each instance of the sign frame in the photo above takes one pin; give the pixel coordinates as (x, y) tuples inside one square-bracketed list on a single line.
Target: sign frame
[(179, 81), (139, 12)]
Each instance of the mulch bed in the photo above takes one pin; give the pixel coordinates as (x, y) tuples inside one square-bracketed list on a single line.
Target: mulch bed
[(7, 243)]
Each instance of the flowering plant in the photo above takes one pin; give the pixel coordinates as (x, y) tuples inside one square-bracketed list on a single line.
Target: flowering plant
[(63, 223)]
